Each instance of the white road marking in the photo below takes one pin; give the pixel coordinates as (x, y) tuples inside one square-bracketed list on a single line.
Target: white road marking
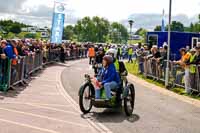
[(59, 110), (100, 127), (44, 117), (41, 104), (28, 126)]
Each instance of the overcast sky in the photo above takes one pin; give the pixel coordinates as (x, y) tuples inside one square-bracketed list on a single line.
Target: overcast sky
[(39, 12)]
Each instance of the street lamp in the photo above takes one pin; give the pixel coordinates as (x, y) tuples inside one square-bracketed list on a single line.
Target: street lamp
[(131, 25), (168, 50)]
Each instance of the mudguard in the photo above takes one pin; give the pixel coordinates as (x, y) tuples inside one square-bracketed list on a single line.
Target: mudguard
[(83, 86)]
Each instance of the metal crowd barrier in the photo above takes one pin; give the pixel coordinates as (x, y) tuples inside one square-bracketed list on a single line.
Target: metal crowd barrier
[(11, 75), (17, 72), (5, 71), (156, 70), (75, 53)]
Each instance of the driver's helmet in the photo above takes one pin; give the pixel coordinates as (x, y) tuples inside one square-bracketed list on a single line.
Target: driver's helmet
[(112, 52)]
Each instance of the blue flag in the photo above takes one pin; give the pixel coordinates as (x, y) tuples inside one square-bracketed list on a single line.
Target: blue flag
[(163, 21), (58, 23)]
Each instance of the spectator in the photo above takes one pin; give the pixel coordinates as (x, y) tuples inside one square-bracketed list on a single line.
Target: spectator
[(62, 53), (192, 68), (130, 54), (140, 54), (2, 55), (185, 56), (91, 54), (162, 59), (8, 50)]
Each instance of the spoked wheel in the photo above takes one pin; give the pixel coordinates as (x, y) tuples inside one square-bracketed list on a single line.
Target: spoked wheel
[(129, 100), (85, 98)]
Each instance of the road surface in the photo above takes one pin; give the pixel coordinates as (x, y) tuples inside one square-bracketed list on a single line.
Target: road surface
[(154, 112)]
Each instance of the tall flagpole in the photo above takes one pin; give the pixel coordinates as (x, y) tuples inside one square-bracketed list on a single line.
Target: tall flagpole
[(168, 50)]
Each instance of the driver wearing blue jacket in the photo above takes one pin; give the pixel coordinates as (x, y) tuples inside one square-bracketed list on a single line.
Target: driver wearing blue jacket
[(110, 79)]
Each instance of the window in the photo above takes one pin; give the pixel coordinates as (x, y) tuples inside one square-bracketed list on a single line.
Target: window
[(195, 41), (152, 40)]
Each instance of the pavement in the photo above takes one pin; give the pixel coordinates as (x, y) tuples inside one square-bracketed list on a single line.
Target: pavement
[(43, 107), (157, 110)]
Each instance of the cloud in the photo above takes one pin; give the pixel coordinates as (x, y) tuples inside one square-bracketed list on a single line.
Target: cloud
[(40, 11), (11, 6), (150, 21)]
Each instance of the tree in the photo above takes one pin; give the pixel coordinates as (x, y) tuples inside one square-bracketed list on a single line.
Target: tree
[(11, 26), (68, 32), (142, 32), (10, 35), (176, 26), (119, 33), (157, 28), (199, 18), (101, 28), (92, 29), (85, 30), (15, 28), (191, 27), (30, 35)]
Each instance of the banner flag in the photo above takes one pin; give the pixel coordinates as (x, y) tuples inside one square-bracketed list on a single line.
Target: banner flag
[(58, 23), (163, 21)]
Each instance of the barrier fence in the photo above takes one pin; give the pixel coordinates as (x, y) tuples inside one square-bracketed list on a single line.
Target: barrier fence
[(156, 70), (11, 75)]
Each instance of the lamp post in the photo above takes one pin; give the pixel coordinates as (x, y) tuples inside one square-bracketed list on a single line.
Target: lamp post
[(168, 50), (131, 26)]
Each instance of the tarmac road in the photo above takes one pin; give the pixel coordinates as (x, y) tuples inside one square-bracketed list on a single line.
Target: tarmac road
[(154, 112)]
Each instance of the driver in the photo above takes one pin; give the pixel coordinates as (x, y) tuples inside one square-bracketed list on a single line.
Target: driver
[(110, 77)]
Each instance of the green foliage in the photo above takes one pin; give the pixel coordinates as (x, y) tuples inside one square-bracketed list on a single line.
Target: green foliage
[(175, 26), (96, 29), (194, 27), (15, 28), (30, 35), (11, 26), (157, 28), (178, 26), (68, 33), (22, 35), (119, 33), (10, 35)]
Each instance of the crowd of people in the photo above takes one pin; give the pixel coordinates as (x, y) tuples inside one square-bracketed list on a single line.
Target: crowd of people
[(34, 53), (154, 61), (147, 58)]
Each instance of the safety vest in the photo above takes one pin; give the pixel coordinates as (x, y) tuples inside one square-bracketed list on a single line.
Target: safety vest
[(116, 63), (120, 51), (14, 61), (130, 51), (192, 67), (91, 52), (106, 49)]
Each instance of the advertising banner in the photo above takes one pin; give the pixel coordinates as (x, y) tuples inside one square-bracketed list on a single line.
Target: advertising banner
[(58, 23)]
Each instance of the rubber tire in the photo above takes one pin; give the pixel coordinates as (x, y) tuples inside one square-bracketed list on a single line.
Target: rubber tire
[(81, 99), (132, 90)]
